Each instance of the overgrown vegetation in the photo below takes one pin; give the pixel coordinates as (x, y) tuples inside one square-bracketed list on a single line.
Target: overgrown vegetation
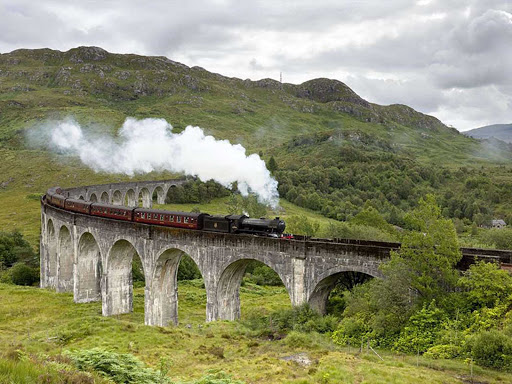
[(425, 306), (18, 261)]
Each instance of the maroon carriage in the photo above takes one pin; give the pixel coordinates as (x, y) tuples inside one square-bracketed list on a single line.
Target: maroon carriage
[(112, 211), (189, 220)]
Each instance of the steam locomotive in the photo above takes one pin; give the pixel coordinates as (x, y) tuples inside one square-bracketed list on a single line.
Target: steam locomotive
[(188, 220)]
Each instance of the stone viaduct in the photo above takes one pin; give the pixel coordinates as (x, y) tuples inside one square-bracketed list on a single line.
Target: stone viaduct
[(128, 194), (92, 257)]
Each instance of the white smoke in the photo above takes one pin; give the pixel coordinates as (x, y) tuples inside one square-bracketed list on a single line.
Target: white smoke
[(150, 145)]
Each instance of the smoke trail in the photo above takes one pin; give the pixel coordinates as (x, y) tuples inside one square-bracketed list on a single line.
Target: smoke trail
[(150, 145)]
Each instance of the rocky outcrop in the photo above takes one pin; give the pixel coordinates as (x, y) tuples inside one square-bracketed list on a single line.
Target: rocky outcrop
[(327, 90), (87, 54)]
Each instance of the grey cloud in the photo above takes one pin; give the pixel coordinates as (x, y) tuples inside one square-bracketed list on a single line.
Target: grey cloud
[(425, 97)]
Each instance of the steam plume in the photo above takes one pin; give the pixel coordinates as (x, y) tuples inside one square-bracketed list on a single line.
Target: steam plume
[(150, 145)]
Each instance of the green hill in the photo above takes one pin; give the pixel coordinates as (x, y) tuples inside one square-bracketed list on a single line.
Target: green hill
[(334, 150), (497, 131)]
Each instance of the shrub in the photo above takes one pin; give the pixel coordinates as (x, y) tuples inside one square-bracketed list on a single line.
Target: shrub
[(263, 275), (22, 274), (118, 367), (421, 331), (14, 248), (301, 319), (187, 270), (351, 332), (443, 351), (501, 238), (298, 340), (492, 349)]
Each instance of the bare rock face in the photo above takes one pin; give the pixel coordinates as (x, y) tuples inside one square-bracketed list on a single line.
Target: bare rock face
[(87, 54), (300, 358)]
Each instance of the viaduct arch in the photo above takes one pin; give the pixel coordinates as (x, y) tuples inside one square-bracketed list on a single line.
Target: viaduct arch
[(91, 257)]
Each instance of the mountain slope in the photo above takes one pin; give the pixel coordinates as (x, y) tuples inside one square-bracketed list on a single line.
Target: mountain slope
[(335, 151), (498, 131), (99, 87)]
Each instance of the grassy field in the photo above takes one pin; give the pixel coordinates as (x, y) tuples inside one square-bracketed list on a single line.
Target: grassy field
[(43, 323)]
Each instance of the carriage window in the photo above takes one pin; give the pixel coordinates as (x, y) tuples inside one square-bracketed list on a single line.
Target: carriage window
[(172, 218), (142, 215), (178, 219), (155, 216), (185, 219), (161, 217)]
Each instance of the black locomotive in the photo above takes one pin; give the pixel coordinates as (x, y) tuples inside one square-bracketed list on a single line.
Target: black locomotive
[(189, 220)]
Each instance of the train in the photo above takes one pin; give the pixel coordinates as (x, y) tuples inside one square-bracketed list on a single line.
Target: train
[(239, 224)]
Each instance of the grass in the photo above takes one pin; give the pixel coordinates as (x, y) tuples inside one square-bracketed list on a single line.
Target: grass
[(43, 323)]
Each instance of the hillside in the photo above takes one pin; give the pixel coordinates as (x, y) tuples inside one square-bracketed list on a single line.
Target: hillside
[(98, 87), (334, 150), (498, 131)]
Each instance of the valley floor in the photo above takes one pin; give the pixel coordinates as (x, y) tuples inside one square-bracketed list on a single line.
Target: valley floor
[(41, 323)]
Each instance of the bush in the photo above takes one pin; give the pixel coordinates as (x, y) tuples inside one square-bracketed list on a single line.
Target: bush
[(299, 319), (352, 331), (501, 238), (492, 349), (421, 331), (21, 274), (187, 270), (298, 340), (443, 351), (263, 275), (14, 248), (118, 367)]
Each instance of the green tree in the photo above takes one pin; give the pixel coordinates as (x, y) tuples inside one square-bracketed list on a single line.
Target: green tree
[(22, 274), (234, 204), (485, 285), (272, 165), (301, 225), (14, 248), (253, 207), (371, 217), (188, 270), (430, 251), (421, 330), (501, 238), (423, 270)]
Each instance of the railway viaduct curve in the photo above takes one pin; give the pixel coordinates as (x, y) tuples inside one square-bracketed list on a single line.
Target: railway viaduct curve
[(92, 257)]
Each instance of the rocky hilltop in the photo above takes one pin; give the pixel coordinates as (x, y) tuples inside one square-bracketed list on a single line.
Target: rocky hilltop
[(92, 72)]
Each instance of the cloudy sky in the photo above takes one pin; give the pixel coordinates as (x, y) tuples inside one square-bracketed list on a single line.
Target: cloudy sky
[(448, 58)]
